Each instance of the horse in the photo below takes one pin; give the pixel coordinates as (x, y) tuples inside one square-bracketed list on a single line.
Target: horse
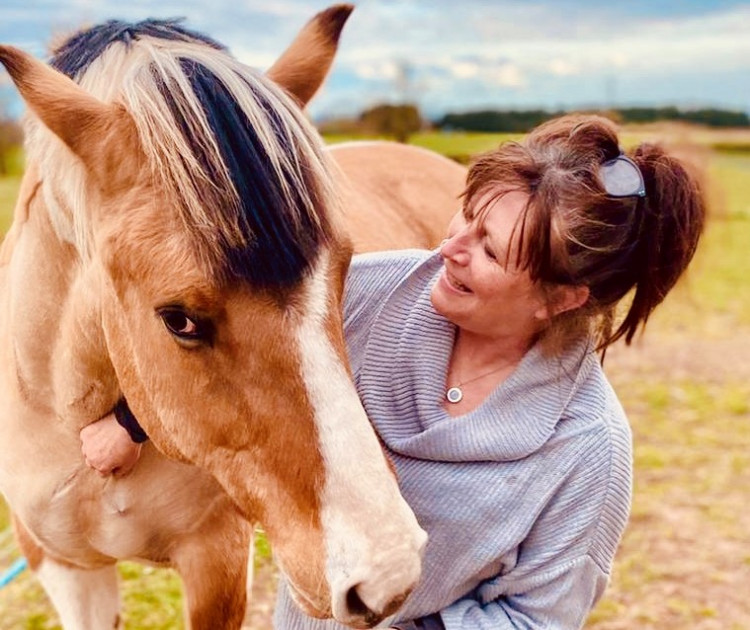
[(396, 196), (178, 243)]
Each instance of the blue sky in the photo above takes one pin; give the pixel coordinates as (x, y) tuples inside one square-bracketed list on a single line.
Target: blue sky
[(457, 55)]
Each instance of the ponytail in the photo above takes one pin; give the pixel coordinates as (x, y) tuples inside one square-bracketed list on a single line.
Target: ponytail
[(672, 220)]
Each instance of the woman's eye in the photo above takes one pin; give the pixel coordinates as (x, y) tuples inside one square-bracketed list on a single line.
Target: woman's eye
[(489, 253), (184, 326)]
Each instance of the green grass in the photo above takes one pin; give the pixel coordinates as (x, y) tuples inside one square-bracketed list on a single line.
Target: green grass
[(731, 173), (4, 516), (692, 471), (14, 160), (713, 298), (461, 145)]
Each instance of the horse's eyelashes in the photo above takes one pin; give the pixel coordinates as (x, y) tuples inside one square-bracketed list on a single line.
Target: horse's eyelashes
[(186, 327)]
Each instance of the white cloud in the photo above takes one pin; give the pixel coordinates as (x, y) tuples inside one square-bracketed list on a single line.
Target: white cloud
[(387, 70), (563, 68), (505, 75), (459, 51), (464, 69), (256, 59), (619, 60)]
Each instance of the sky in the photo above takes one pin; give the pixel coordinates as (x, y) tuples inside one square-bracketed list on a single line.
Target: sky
[(459, 55)]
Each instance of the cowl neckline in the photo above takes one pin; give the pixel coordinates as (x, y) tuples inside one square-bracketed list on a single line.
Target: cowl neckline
[(402, 384)]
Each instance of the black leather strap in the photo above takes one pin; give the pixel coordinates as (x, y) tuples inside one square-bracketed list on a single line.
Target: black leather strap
[(127, 421)]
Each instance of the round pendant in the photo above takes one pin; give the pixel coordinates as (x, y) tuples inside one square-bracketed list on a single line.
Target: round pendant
[(454, 395)]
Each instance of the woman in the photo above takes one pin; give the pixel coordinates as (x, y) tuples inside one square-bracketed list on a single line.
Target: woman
[(477, 366)]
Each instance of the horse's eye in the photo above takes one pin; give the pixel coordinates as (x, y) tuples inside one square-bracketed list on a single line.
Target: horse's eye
[(185, 327)]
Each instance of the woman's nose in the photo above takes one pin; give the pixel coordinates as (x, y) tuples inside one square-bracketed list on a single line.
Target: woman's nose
[(455, 247)]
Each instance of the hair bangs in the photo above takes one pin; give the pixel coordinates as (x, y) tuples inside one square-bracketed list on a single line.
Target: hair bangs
[(537, 233)]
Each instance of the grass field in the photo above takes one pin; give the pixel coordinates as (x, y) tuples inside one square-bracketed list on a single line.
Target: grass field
[(685, 558)]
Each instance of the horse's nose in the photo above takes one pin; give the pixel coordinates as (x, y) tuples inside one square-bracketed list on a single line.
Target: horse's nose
[(369, 581), (360, 615)]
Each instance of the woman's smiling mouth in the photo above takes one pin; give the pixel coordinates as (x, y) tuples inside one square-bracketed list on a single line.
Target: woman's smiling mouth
[(455, 284)]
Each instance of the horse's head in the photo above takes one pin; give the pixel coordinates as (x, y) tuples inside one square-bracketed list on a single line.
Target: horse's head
[(200, 202)]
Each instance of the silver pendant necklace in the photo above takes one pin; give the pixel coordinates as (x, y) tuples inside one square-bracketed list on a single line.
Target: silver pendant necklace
[(455, 394)]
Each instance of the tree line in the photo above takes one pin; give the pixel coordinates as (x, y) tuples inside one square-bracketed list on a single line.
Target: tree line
[(401, 121), (521, 121)]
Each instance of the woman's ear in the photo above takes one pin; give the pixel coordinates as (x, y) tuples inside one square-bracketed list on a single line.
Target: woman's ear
[(563, 298)]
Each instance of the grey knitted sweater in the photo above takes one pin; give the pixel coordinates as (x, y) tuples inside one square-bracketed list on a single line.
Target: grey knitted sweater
[(524, 499)]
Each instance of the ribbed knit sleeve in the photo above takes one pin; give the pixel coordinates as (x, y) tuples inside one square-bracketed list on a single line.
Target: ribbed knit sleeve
[(561, 603), (564, 563)]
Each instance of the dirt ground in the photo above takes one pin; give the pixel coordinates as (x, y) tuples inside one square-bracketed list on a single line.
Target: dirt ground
[(260, 611), (685, 557)]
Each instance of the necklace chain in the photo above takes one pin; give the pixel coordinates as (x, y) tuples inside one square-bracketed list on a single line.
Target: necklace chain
[(455, 394)]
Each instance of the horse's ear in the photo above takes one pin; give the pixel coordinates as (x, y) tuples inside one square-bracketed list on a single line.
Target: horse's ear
[(303, 66), (80, 120)]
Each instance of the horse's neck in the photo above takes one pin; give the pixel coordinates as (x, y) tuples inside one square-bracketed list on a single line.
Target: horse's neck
[(53, 330)]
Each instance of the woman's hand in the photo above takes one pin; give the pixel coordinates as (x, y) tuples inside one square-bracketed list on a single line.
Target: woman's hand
[(107, 447)]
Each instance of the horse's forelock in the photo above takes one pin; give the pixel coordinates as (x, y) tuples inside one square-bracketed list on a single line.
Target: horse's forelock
[(74, 56), (237, 158), (259, 168)]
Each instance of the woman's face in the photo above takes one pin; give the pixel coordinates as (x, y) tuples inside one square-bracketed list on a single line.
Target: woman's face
[(480, 290)]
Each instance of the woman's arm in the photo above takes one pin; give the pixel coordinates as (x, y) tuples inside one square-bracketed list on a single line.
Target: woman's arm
[(561, 568), (560, 599)]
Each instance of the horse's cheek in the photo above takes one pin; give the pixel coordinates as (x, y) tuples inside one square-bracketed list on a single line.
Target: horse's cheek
[(134, 349)]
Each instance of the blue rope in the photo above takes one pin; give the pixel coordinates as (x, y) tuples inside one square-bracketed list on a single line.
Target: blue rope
[(15, 569)]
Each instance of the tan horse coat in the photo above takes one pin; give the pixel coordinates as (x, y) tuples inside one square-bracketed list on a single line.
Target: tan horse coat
[(397, 196)]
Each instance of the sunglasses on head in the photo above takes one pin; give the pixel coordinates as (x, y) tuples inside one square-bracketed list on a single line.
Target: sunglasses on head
[(621, 177)]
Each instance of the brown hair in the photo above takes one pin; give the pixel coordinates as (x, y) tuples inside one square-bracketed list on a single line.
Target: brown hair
[(573, 233)]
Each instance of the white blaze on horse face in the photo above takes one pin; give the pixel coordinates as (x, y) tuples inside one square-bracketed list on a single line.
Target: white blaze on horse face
[(373, 540)]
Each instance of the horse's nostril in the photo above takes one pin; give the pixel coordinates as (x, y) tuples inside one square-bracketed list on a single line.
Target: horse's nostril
[(366, 618), (354, 603), (361, 615)]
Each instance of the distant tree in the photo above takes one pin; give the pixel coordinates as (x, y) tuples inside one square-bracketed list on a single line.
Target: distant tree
[(399, 121), (647, 114), (339, 126), (717, 117)]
